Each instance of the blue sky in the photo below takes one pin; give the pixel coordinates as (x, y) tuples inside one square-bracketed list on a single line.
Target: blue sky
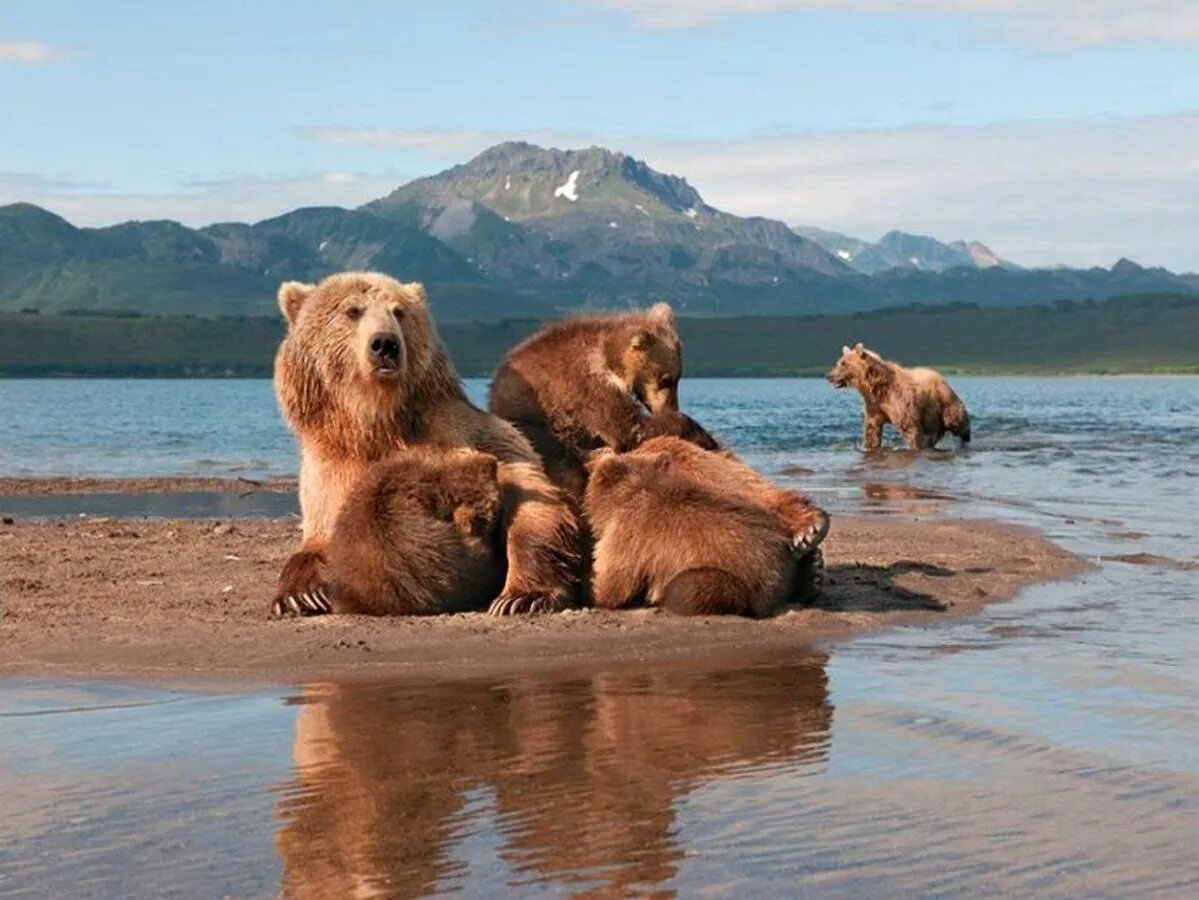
[(1055, 131)]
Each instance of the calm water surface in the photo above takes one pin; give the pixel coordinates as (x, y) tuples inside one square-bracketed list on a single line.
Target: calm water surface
[(1046, 747)]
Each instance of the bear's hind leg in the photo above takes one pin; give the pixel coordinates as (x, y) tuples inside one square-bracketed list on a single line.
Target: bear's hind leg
[(708, 591)]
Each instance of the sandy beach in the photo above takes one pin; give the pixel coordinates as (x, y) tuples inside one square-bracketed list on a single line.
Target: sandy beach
[(187, 600)]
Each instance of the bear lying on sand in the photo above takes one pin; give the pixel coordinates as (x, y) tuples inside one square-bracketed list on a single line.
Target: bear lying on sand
[(697, 532), (919, 402), (418, 534), (586, 383), (361, 374)]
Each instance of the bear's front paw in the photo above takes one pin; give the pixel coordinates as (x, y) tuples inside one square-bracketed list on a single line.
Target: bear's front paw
[(525, 603), (812, 535), (302, 591)]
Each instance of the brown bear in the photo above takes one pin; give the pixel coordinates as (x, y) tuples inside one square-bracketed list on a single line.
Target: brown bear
[(696, 532), (418, 534), (588, 382), (919, 402), (361, 374)]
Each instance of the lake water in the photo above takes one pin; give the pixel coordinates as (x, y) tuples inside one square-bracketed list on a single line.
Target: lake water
[(1048, 746)]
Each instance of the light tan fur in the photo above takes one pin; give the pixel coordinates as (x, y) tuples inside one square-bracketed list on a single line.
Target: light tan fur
[(348, 411), (917, 401)]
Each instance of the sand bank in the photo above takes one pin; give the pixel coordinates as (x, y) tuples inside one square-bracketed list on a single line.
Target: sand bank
[(187, 600)]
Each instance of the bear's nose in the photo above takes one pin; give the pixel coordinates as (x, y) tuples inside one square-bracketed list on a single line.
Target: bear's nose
[(385, 349)]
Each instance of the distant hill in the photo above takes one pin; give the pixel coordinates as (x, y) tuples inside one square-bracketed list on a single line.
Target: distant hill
[(526, 232), (901, 250), (1132, 334)]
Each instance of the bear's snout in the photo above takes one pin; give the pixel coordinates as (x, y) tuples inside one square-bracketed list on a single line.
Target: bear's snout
[(385, 350)]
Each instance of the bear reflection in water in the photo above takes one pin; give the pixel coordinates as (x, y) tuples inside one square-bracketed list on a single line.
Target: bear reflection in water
[(576, 781)]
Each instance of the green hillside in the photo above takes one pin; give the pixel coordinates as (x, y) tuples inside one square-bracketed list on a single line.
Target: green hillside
[(1153, 333)]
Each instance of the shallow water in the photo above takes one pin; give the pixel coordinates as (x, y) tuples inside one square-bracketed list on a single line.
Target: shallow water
[(1048, 746)]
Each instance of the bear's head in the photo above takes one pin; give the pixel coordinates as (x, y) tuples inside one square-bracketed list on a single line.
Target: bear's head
[(469, 480), (360, 326), (357, 343), (855, 368), (615, 478), (650, 362)]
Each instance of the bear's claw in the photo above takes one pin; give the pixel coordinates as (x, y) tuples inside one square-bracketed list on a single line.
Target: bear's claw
[(810, 538), (524, 604), (310, 603)]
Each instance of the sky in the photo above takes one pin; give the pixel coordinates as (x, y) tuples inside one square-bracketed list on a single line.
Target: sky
[(1056, 131)]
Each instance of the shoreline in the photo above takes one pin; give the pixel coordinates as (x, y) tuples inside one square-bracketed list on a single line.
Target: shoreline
[(184, 602)]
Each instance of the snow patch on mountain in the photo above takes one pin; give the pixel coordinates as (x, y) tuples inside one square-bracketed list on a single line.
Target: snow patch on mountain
[(569, 190)]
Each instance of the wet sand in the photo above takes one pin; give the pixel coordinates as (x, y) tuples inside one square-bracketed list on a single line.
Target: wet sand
[(187, 601)]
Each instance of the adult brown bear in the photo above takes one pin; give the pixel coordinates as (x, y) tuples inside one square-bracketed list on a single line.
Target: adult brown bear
[(919, 402), (362, 373)]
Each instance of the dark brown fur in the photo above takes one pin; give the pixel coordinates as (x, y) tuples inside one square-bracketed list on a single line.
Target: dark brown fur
[(418, 535), (919, 402), (586, 383), (349, 413)]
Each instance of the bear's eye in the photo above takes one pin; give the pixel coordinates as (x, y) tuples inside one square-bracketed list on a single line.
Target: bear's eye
[(398, 312), (667, 383), (354, 313)]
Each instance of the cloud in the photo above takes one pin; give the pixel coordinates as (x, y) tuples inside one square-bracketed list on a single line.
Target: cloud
[(1079, 192), (30, 53), (201, 202), (1042, 23)]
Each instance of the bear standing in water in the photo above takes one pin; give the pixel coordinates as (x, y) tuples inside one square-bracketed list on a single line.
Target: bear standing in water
[(418, 535), (361, 374), (919, 402), (698, 533), (592, 382)]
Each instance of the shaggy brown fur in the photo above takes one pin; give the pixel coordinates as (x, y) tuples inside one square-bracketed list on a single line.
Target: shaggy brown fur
[(586, 383), (694, 531), (805, 523), (919, 402), (418, 535), (362, 373), (672, 423)]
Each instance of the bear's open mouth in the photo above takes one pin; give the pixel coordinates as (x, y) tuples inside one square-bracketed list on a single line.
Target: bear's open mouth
[(836, 380)]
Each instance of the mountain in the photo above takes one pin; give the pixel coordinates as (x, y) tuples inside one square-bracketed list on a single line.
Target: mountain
[(527, 232), (598, 217), (902, 250)]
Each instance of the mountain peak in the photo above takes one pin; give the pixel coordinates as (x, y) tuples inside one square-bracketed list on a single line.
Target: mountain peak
[(522, 182), (1125, 266)]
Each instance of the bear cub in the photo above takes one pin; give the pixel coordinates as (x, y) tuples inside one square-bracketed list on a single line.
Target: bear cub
[(418, 535), (689, 530), (591, 382)]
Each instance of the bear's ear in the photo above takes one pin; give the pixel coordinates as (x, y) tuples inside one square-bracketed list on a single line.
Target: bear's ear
[(417, 290), (859, 349), (643, 339), (292, 295), (662, 314), (844, 350), (662, 462)]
